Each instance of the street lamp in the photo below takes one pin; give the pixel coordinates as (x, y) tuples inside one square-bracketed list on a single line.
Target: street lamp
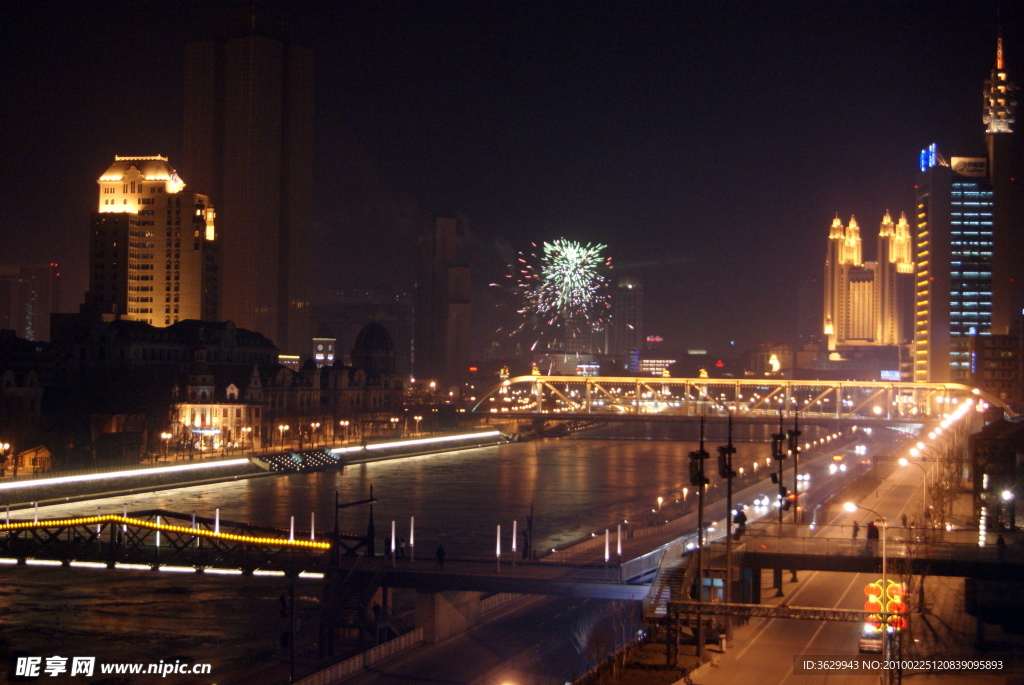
[(851, 507), (344, 425), (904, 462), (282, 427), (394, 423), (315, 426), (166, 437), (5, 447), (247, 433), (417, 419)]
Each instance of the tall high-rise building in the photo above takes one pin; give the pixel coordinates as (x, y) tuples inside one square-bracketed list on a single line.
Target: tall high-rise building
[(894, 282), (953, 252), (249, 140), (441, 347), (865, 302), (627, 316), (1000, 104), (28, 295), (153, 251)]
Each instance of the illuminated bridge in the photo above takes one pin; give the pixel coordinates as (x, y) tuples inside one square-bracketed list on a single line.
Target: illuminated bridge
[(647, 398), (164, 540)]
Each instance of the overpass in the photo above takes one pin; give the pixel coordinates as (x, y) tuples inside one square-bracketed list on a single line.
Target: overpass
[(647, 398)]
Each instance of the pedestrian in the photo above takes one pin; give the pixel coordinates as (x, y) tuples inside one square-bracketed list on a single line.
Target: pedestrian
[(871, 534), (856, 529), (903, 517), (1001, 546), (401, 548), (440, 556)]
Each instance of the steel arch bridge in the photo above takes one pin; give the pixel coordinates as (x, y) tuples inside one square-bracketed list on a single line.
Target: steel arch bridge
[(609, 396)]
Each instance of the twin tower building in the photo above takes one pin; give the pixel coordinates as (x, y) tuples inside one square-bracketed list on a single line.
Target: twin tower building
[(947, 288), (868, 303)]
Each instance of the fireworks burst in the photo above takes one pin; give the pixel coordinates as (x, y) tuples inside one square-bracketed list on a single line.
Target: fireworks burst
[(569, 283), (561, 282)]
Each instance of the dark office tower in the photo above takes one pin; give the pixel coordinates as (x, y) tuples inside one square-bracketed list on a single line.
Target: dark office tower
[(28, 295), (248, 142), (442, 345), (953, 257), (1000, 103), (627, 316)]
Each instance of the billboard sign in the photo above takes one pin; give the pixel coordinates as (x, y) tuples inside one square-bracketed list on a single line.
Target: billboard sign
[(975, 167)]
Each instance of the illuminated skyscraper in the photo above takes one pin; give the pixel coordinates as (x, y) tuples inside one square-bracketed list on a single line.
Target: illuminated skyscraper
[(1000, 104), (153, 253), (866, 303), (953, 253), (249, 140), (894, 279)]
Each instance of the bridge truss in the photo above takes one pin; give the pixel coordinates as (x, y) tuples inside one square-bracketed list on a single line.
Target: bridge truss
[(154, 539), (608, 396)]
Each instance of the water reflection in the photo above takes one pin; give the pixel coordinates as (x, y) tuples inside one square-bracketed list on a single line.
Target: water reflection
[(575, 485)]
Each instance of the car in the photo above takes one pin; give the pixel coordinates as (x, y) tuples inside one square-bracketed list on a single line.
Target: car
[(761, 501), (870, 639)]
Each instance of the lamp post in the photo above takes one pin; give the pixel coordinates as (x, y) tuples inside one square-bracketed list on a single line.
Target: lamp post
[(904, 462), (315, 426), (344, 429), (5, 447), (247, 434), (394, 423), (725, 470), (851, 507), (282, 428), (417, 419), (166, 437)]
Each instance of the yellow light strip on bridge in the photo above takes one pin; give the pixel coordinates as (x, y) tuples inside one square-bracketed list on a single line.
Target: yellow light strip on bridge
[(197, 532)]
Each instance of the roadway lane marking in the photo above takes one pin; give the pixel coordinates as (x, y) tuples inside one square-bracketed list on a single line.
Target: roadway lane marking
[(821, 627), (764, 626)]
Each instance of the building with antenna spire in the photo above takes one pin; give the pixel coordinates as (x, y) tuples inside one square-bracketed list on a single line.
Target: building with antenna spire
[(998, 115)]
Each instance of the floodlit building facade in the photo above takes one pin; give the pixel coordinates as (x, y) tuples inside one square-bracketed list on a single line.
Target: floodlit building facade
[(953, 253), (866, 302), (153, 252)]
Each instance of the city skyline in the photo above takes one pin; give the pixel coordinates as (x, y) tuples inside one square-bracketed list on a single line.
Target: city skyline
[(695, 144)]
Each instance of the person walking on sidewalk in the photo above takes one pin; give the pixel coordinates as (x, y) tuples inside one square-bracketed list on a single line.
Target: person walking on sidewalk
[(856, 529)]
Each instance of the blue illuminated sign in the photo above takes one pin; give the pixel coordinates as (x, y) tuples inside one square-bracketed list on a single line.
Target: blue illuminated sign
[(928, 157)]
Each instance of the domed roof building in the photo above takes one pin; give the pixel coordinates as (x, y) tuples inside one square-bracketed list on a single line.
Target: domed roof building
[(374, 353)]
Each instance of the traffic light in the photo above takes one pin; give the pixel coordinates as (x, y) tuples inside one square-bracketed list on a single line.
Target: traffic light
[(794, 440), (697, 479), (779, 446), (725, 453), (784, 501)]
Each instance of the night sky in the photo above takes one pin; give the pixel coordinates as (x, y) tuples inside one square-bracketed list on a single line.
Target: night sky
[(708, 144)]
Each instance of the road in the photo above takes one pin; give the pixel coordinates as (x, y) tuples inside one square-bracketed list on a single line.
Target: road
[(540, 640), (764, 650)]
